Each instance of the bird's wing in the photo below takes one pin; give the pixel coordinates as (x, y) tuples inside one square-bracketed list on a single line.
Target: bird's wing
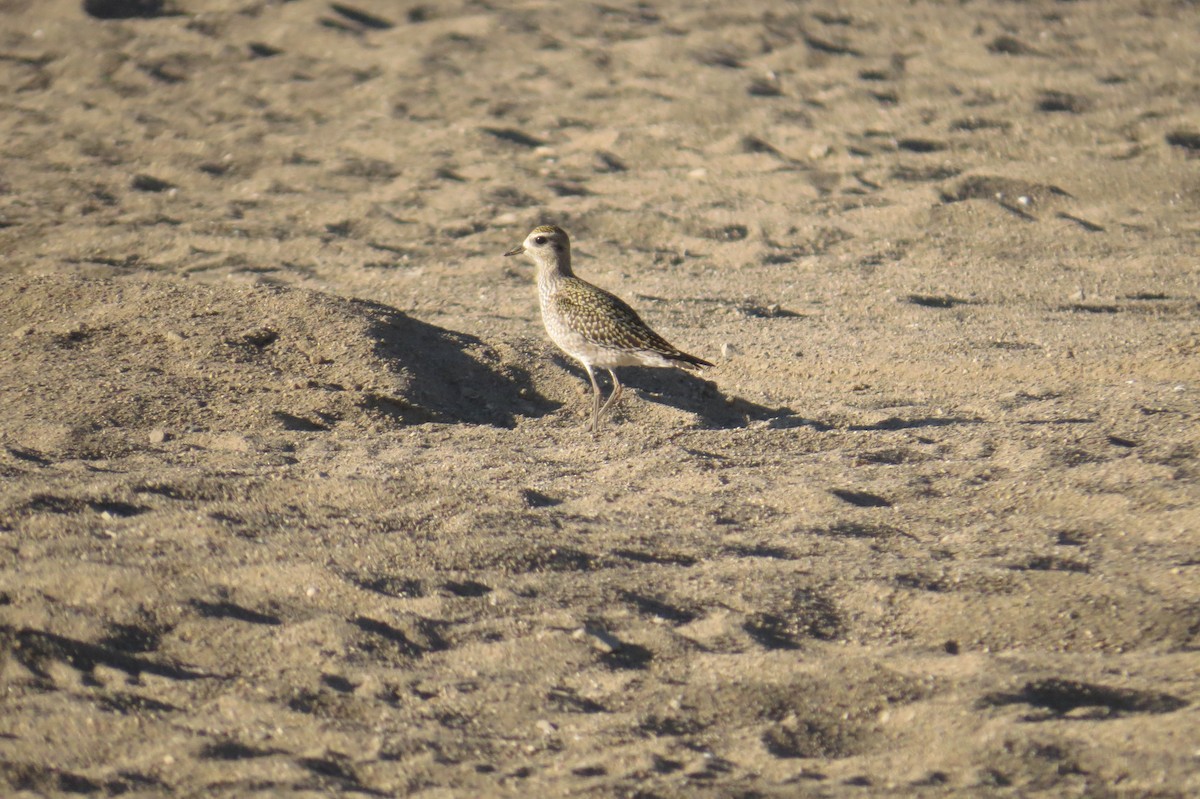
[(604, 318)]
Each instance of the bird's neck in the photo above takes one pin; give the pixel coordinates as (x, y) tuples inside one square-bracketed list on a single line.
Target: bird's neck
[(552, 271)]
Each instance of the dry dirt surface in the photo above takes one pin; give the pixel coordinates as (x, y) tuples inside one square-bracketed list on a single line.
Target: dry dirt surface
[(296, 498)]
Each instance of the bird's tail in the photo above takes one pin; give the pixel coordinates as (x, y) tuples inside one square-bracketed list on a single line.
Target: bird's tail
[(688, 361)]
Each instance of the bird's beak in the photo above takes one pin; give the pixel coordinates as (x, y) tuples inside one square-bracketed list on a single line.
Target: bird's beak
[(520, 248)]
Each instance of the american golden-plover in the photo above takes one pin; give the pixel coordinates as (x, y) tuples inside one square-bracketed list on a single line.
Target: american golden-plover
[(593, 326)]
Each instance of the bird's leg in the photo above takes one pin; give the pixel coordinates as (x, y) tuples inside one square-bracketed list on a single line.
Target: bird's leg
[(615, 396), (595, 398)]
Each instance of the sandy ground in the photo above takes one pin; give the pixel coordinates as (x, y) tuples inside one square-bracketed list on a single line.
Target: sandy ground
[(298, 499)]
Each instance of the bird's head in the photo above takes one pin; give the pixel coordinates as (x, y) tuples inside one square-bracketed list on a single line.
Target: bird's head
[(547, 245)]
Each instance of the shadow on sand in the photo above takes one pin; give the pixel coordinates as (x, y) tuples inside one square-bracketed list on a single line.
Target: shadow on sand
[(692, 393), (455, 377)]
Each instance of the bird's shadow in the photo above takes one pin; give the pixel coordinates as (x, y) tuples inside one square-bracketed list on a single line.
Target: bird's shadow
[(455, 377), (693, 393)]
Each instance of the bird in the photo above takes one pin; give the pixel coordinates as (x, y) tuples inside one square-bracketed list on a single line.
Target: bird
[(593, 326)]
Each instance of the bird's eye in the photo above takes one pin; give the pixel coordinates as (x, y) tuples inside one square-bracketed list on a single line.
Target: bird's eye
[(540, 240)]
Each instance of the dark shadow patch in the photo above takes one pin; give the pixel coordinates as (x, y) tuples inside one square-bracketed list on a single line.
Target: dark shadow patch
[(770, 631), (452, 367), (607, 162), (126, 704), (924, 173), (123, 510), (45, 780), (1090, 227), (263, 50), (972, 124), (691, 393), (714, 768), (764, 87), (658, 726), (423, 636), (719, 57), (991, 187), (149, 183), (920, 582), (811, 738), (128, 780), (860, 499), (511, 197), (760, 551), (334, 773), (536, 499), (337, 682), (1005, 44), (33, 648), (314, 703), (467, 588), (915, 145), (1061, 696), (932, 779), (298, 423), (1016, 210), (786, 419), (754, 311), (134, 638), (124, 9), (398, 587), (566, 700), (369, 169), (51, 503), (936, 301), (858, 530), (755, 144), (29, 456), (1071, 538), (399, 409), (544, 558), (665, 765), (568, 188), (514, 136), (1062, 102), (224, 609), (651, 606), (1185, 139), (628, 656), (890, 457), (657, 558), (803, 614), (896, 423), (235, 750), (1052, 563), (395, 638), (727, 233), (362, 18), (826, 46), (1091, 307)]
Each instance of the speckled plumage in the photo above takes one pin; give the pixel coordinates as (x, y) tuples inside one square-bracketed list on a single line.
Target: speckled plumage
[(593, 326)]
